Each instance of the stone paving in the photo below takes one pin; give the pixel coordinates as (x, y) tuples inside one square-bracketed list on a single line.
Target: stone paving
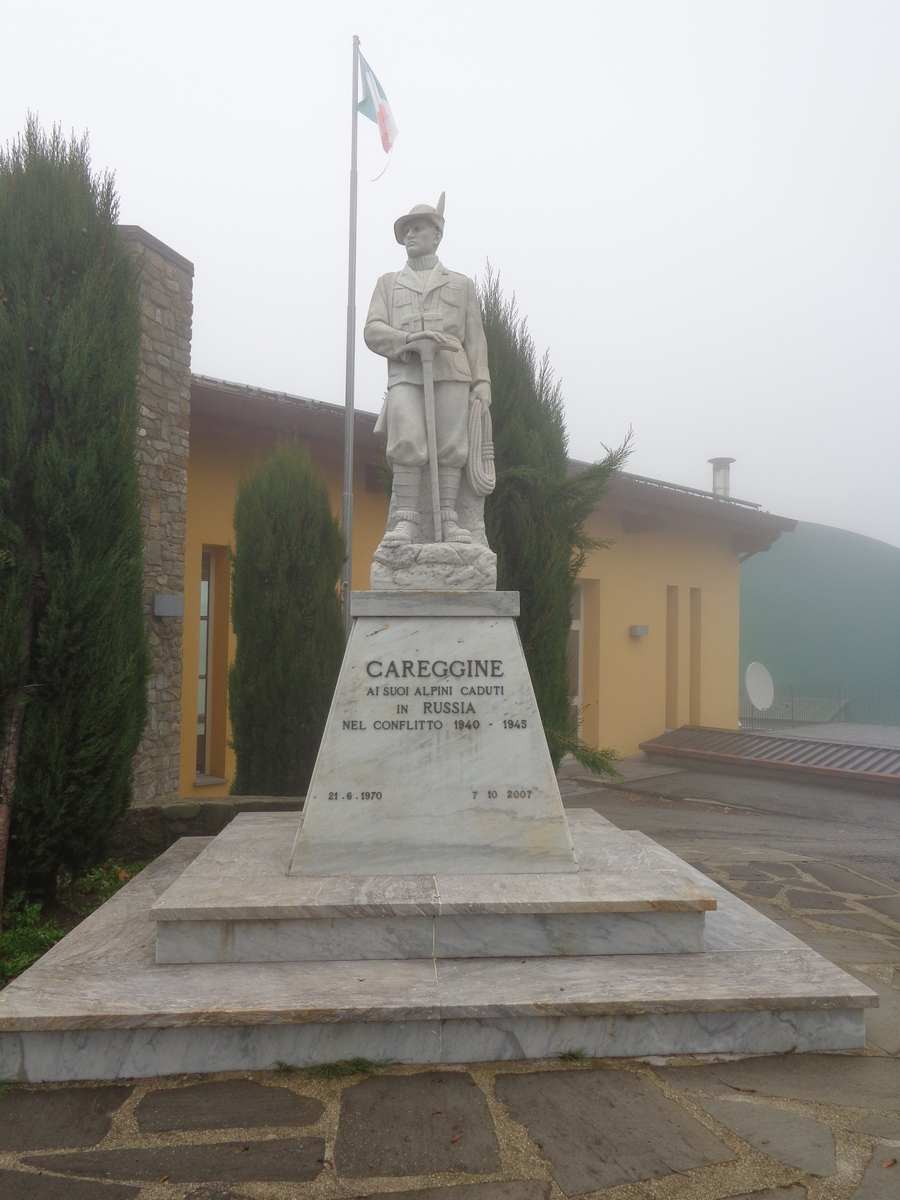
[(805, 1127), (821, 1127), (818, 902)]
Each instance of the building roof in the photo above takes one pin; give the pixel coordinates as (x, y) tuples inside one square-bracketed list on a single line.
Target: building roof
[(281, 412), (641, 503)]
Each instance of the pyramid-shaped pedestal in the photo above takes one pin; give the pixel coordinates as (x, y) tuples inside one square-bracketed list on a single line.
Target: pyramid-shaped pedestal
[(433, 759)]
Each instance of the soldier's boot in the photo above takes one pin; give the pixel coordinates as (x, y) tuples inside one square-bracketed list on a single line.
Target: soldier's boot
[(448, 487), (406, 505)]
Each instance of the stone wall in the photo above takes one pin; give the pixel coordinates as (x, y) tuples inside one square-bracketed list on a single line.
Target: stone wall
[(166, 287), (146, 830)]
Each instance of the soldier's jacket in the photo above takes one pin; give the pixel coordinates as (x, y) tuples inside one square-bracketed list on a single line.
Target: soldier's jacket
[(409, 301)]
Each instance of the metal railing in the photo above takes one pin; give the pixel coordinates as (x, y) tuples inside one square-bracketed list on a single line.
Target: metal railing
[(824, 705)]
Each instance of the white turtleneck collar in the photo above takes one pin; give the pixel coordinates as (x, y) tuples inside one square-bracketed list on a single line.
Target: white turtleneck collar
[(424, 262)]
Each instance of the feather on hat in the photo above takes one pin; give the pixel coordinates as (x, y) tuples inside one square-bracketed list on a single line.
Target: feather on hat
[(435, 215)]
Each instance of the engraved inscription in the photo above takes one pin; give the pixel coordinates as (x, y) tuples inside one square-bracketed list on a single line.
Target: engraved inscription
[(455, 699), (438, 668), (460, 704)]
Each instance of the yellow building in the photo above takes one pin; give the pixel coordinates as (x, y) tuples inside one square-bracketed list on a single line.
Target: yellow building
[(654, 640)]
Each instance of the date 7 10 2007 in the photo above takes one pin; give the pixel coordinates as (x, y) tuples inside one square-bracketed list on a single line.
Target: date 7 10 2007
[(521, 793)]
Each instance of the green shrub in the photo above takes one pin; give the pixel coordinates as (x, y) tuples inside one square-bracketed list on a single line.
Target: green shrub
[(287, 620), (535, 519), (73, 657)]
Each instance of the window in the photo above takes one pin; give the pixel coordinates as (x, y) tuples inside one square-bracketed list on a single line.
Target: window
[(672, 633), (696, 656), (203, 668)]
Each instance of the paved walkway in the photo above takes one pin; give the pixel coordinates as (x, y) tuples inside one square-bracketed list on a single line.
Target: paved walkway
[(811, 1127)]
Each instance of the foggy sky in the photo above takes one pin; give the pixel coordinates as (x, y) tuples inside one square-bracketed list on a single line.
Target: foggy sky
[(696, 203)]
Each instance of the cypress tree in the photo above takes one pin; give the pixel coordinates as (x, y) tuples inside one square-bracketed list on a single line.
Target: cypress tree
[(73, 659), (287, 619), (535, 518)]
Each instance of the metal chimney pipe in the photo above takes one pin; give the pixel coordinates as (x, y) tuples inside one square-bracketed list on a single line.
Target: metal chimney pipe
[(722, 476)]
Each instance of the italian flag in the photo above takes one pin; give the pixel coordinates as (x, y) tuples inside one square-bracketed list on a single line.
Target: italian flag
[(375, 106)]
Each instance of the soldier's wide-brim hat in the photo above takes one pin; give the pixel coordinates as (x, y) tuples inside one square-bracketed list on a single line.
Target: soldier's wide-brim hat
[(433, 214)]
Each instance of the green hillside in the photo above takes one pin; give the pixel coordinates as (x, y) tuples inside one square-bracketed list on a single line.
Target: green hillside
[(821, 610)]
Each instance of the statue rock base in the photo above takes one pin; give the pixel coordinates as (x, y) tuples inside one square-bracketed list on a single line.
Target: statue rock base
[(434, 567)]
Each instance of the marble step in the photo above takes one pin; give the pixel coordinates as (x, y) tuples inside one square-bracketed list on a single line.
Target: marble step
[(98, 1006), (236, 903)]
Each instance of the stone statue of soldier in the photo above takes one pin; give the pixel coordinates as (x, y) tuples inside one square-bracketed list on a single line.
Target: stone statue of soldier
[(426, 303)]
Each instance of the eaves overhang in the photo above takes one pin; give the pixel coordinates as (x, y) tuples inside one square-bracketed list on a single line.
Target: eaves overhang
[(643, 504), (240, 406)]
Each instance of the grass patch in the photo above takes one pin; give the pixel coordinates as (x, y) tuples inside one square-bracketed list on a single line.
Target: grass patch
[(343, 1068), (86, 892), (573, 1056), (25, 937), (30, 929)]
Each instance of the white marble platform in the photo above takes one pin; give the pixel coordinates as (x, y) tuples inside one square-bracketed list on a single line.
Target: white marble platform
[(433, 759), (434, 604), (97, 1006), (242, 874), (533, 936), (137, 1052), (235, 903)]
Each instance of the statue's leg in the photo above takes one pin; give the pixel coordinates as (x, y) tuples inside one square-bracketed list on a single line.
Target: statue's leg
[(452, 420), (406, 452)]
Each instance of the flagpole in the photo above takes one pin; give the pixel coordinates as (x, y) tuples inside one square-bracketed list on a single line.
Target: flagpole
[(347, 497)]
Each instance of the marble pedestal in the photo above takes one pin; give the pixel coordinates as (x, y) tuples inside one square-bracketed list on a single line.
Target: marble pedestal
[(433, 760)]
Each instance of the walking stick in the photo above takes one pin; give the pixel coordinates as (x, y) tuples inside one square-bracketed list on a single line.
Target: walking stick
[(426, 349)]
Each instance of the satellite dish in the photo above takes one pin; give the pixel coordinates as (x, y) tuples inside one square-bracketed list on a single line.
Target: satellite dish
[(759, 685)]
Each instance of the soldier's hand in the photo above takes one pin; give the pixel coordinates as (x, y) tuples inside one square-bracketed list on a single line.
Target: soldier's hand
[(442, 341)]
